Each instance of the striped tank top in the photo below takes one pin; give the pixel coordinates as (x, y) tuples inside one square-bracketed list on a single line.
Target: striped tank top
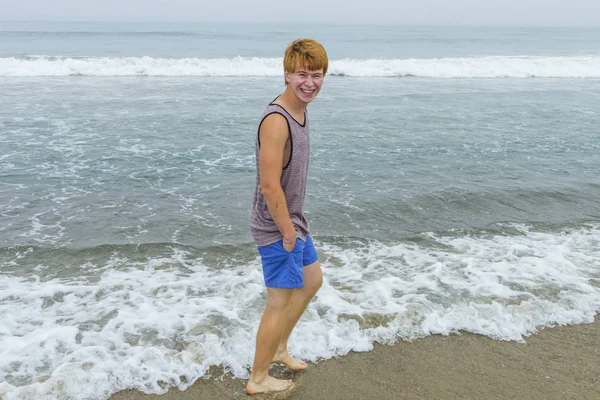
[(293, 183)]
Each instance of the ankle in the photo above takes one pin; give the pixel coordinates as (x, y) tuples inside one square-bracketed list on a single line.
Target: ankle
[(257, 377)]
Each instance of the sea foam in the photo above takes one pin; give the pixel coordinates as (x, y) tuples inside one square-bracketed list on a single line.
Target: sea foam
[(164, 322), (475, 67)]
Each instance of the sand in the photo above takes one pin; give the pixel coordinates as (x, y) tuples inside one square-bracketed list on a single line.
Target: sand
[(558, 363)]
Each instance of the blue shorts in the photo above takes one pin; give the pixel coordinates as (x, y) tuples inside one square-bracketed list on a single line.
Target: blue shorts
[(282, 268)]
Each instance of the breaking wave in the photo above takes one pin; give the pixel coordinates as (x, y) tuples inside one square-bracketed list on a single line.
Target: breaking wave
[(474, 67)]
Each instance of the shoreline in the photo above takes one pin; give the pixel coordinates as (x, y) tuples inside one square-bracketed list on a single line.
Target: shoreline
[(562, 362)]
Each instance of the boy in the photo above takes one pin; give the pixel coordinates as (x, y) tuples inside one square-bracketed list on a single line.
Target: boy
[(290, 263)]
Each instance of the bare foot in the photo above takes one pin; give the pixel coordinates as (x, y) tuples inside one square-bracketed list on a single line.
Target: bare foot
[(269, 384), (287, 359)]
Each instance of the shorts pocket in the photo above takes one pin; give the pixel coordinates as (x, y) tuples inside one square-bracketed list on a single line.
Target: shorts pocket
[(292, 276), (293, 249)]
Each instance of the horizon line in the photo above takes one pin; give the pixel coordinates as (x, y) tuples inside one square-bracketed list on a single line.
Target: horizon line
[(371, 23)]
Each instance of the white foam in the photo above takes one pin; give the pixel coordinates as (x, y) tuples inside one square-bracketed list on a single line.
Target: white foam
[(164, 322), (43, 233), (474, 67)]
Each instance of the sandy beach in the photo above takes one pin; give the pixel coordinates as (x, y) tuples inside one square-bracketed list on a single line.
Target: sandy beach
[(558, 363)]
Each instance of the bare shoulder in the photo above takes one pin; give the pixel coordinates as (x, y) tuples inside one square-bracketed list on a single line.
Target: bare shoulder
[(274, 128)]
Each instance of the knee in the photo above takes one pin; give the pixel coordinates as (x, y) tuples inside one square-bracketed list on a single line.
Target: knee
[(278, 303), (314, 284)]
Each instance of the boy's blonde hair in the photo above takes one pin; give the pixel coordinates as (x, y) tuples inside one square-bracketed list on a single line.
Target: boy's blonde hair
[(305, 53)]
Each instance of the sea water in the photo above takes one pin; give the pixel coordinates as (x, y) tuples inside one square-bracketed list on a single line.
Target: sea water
[(454, 186)]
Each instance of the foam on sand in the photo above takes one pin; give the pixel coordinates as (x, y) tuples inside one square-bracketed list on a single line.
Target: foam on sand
[(164, 322)]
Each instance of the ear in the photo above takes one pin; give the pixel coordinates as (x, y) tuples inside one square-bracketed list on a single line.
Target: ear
[(288, 79)]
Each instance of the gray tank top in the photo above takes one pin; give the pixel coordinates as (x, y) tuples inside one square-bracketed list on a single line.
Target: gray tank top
[(293, 183)]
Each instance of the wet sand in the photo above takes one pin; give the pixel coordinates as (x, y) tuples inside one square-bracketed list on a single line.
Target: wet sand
[(557, 363)]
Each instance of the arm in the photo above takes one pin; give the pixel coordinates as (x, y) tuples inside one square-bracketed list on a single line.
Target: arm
[(273, 136)]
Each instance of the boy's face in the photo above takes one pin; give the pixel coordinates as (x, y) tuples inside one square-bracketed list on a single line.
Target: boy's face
[(305, 83)]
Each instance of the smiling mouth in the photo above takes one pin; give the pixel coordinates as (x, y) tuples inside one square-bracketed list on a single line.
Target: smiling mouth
[(308, 91)]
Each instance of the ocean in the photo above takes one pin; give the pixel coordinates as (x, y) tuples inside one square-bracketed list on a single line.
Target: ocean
[(454, 186)]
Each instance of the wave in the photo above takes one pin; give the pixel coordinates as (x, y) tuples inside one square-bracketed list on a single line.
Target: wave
[(474, 67), (162, 317)]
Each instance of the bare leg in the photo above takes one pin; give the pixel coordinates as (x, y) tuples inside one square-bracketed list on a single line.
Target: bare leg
[(267, 340), (313, 279)]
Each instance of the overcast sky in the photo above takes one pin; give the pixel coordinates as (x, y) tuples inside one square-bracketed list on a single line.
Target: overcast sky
[(472, 12)]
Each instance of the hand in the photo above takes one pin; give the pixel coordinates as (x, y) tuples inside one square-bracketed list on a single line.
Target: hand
[(289, 245)]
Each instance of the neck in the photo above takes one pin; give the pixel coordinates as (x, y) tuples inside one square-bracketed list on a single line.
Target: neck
[(291, 102)]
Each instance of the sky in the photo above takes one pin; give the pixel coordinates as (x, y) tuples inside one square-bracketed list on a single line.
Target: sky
[(414, 12)]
